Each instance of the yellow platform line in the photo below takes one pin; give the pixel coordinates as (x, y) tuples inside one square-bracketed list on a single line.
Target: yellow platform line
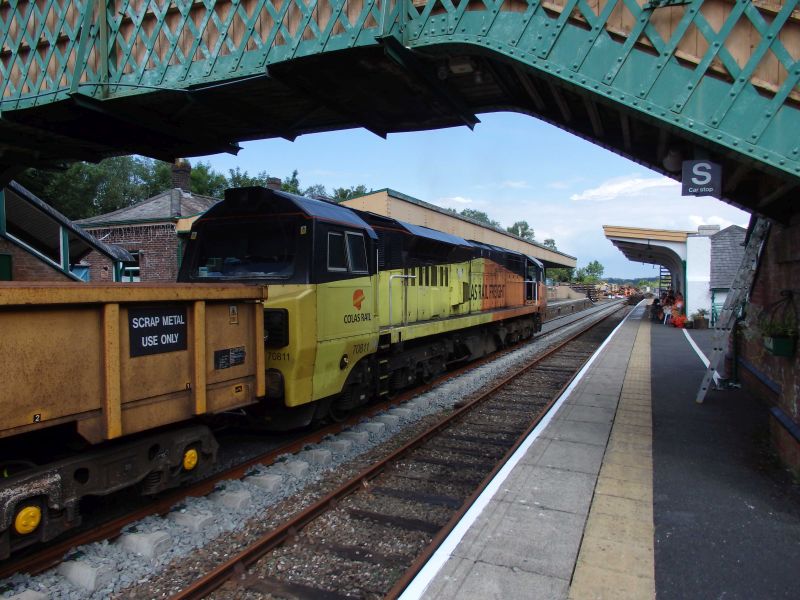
[(616, 558)]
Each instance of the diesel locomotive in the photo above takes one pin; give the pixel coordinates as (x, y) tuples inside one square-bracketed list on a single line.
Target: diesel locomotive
[(360, 305), (288, 308)]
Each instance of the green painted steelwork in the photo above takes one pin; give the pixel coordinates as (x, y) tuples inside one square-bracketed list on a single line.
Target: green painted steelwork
[(86, 53), (64, 251)]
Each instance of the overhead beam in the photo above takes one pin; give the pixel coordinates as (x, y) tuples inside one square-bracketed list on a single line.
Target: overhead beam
[(625, 126), (594, 117), (531, 90), (159, 130), (409, 61), (561, 103), (326, 101)]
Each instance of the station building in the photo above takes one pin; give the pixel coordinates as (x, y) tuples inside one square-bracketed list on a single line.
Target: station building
[(391, 203), (148, 231), (38, 243), (699, 264)]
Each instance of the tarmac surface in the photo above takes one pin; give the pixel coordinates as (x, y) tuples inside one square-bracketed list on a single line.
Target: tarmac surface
[(632, 490)]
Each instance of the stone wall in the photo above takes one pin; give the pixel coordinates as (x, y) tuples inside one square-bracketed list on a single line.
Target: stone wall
[(157, 244), (774, 379)]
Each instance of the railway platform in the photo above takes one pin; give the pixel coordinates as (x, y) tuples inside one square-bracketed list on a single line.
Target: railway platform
[(629, 489)]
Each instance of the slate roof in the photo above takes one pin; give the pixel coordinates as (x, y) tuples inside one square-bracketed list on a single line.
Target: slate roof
[(726, 256), (169, 205)]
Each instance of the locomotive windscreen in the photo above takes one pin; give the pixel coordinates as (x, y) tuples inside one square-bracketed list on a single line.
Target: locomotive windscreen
[(266, 248)]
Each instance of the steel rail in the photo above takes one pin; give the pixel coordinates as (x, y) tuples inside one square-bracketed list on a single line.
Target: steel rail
[(52, 554), (237, 564)]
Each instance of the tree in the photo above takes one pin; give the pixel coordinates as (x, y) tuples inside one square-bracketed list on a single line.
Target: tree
[(550, 243), (291, 183), (594, 269), (238, 178), (477, 215), (85, 189), (341, 194), (316, 191), (521, 229)]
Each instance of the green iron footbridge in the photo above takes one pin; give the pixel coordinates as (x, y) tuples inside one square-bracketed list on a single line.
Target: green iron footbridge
[(657, 81)]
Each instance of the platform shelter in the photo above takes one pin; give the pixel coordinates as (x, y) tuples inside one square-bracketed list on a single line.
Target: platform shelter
[(684, 257)]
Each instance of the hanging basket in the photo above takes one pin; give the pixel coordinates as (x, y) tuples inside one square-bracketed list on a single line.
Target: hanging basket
[(778, 326)]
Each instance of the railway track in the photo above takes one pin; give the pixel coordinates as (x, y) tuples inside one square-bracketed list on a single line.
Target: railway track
[(369, 537), (458, 445)]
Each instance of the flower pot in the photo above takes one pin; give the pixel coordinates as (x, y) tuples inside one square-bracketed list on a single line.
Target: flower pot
[(782, 345), (701, 323)]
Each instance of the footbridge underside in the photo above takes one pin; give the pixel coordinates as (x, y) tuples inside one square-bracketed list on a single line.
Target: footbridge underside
[(657, 81)]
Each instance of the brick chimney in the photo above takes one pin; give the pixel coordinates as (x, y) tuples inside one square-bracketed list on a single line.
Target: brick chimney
[(181, 171), (274, 183)]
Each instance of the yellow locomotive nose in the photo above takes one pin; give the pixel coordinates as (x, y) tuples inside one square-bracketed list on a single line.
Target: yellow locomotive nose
[(27, 520), (190, 459)]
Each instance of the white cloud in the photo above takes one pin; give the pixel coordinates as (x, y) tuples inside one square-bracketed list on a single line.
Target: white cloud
[(564, 184), (515, 185), (626, 187), (454, 202), (697, 220)]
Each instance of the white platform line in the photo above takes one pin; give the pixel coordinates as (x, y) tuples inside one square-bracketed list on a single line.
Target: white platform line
[(702, 356), (420, 583)]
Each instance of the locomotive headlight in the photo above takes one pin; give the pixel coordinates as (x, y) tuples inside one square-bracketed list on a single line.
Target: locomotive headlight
[(274, 383)]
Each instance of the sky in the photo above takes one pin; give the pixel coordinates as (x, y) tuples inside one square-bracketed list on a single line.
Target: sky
[(512, 167)]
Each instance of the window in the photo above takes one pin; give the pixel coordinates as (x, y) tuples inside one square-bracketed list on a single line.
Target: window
[(357, 251), (130, 270), (337, 255), (258, 249), (434, 271)]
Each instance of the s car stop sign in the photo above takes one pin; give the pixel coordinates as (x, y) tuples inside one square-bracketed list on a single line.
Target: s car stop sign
[(701, 178)]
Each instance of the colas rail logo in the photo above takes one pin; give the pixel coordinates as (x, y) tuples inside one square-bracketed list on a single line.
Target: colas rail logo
[(358, 299)]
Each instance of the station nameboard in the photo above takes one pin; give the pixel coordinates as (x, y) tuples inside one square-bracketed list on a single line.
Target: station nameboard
[(156, 329), (701, 178)]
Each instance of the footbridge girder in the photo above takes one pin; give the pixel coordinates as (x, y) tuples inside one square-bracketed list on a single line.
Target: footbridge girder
[(656, 81)]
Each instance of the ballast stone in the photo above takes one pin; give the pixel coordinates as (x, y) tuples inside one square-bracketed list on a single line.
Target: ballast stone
[(149, 545), (417, 404), (29, 595), (298, 468), (400, 412), (388, 420), (195, 521), (316, 456), (359, 437), (234, 500), (372, 427), (267, 482), (85, 576), (340, 446)]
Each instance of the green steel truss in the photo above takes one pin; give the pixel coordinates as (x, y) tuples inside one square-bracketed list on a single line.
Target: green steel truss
[(603, 69)]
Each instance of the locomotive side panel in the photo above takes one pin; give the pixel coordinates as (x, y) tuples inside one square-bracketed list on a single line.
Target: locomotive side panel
[(347, 331)]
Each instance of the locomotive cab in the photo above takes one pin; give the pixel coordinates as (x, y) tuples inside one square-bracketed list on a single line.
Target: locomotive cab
[(318, 260)]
